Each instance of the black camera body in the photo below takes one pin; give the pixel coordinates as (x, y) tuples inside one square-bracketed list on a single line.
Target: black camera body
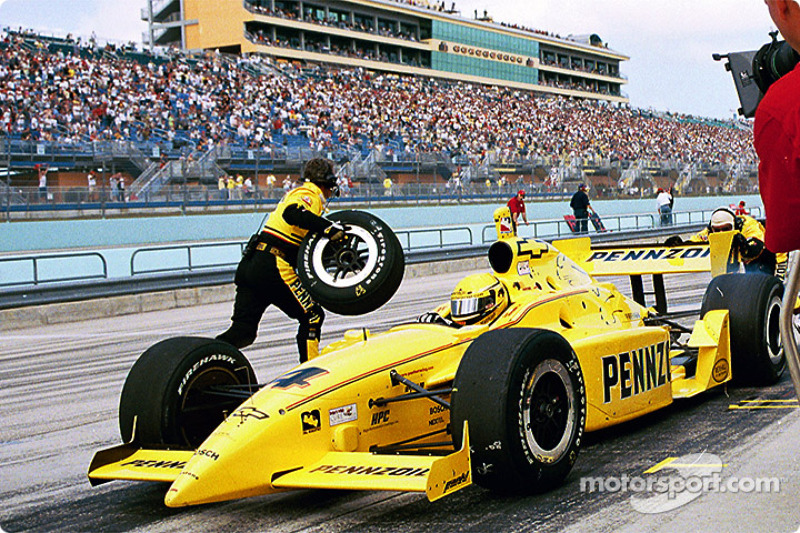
[(754, 71)]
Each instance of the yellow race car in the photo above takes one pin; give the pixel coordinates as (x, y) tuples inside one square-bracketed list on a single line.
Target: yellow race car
[(495, 387)]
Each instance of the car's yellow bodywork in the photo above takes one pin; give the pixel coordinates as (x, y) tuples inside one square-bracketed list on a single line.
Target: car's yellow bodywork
[(324, 424)]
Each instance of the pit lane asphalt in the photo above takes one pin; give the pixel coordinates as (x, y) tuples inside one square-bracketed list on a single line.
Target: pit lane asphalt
[(59, 390)]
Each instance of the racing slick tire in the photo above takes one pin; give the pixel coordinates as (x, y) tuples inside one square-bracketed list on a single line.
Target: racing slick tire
[(753, 302), (356, 274), (166, 391), (522, 392)]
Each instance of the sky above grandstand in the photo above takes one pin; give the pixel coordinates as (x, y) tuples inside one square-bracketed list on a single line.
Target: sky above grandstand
[(669, 42)]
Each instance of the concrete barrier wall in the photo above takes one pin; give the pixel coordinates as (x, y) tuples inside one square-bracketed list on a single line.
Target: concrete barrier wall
[(40, 315)]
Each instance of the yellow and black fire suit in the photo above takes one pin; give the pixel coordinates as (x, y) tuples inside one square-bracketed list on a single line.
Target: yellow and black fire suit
[(748, 247), (266, 274)]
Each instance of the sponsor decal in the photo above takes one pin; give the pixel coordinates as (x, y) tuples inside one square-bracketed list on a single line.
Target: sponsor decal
[(436, 421), (653, 254), (211, 454), (207, 359), (298, 378), (371, 470), (311, 421), (307, 200), (523, 268), (436, 409), (632, 373), (456, 482), (243, 413), (506, 226), (152, 463), (720, 371), (340, 415), (381, 417)]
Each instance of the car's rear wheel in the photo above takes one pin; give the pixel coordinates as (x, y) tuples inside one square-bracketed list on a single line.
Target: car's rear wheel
[(357, 274), (173, 391), (522, 392), (753, 302)]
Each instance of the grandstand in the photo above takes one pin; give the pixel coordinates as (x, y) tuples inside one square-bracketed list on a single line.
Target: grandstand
[(406, 37), (172, 122)]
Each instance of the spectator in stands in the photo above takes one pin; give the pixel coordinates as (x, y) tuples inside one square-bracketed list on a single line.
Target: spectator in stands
[(517, 207), (580, 208), (81, 97)]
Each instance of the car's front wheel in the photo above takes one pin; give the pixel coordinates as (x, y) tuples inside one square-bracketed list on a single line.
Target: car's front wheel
[(181, 389), (753, 302), (523, 394)]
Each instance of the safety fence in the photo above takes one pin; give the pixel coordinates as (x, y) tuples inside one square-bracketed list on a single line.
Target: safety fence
[(69, 267)]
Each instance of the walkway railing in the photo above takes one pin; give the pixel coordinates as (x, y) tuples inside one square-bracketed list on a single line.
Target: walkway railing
[(33, 270)]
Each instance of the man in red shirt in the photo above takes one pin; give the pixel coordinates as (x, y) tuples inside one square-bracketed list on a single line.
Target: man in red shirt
[(517, 206), (777, 140)]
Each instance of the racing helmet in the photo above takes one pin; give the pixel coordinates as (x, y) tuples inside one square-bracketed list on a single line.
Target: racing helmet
[(478, 299), (723, 219)]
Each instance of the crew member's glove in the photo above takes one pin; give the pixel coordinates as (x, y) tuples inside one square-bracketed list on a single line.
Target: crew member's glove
[(750, 248), (675, 240), (335, 232)]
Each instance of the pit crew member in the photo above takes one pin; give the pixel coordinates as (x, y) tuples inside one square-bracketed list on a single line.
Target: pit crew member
[(266, 274)]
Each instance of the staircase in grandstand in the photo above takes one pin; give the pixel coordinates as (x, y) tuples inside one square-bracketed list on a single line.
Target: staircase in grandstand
[(196, 166), (637, 177), (364, 168), (738, 179), (691, 180)]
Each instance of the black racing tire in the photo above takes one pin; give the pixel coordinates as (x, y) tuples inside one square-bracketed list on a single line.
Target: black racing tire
[(357, 274), (753, 302), (164, 391), (522, 392)]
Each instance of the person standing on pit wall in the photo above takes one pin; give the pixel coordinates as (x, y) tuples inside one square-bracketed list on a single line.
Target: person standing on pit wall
[(517, 207), (580, 208), (776, 133), (664, 206), (741, 209), (267, 275), (42, 169), (222, 187)]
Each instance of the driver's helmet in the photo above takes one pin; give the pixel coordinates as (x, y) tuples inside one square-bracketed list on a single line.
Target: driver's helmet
[(478, 299)]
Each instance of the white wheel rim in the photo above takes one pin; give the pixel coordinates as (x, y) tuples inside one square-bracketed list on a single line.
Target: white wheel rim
[(361, 241)]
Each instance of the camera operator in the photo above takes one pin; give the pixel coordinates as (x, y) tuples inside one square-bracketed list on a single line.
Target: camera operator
[(777, 140)]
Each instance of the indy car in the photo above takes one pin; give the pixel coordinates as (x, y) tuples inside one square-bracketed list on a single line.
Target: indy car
[(496, 387)]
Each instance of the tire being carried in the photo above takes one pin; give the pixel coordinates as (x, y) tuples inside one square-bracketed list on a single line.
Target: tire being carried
[(169, 391), (522, 391), (753, 302), (357, 274)]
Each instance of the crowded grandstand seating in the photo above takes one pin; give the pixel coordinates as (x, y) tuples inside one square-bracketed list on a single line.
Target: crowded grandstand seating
[(70, 92)]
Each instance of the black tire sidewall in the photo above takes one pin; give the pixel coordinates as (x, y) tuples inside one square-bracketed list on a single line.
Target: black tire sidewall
[(748, 298), (157, 384), (489, 385), (380, 284)]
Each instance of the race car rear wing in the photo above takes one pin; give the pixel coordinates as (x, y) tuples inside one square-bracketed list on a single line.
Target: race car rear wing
[(637, 260)]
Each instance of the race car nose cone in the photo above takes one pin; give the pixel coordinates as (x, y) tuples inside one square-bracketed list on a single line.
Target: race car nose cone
[(210, 477)]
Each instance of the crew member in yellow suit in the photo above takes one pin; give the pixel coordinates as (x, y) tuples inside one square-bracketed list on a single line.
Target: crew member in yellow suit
[(266, 274), (748, 242)]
